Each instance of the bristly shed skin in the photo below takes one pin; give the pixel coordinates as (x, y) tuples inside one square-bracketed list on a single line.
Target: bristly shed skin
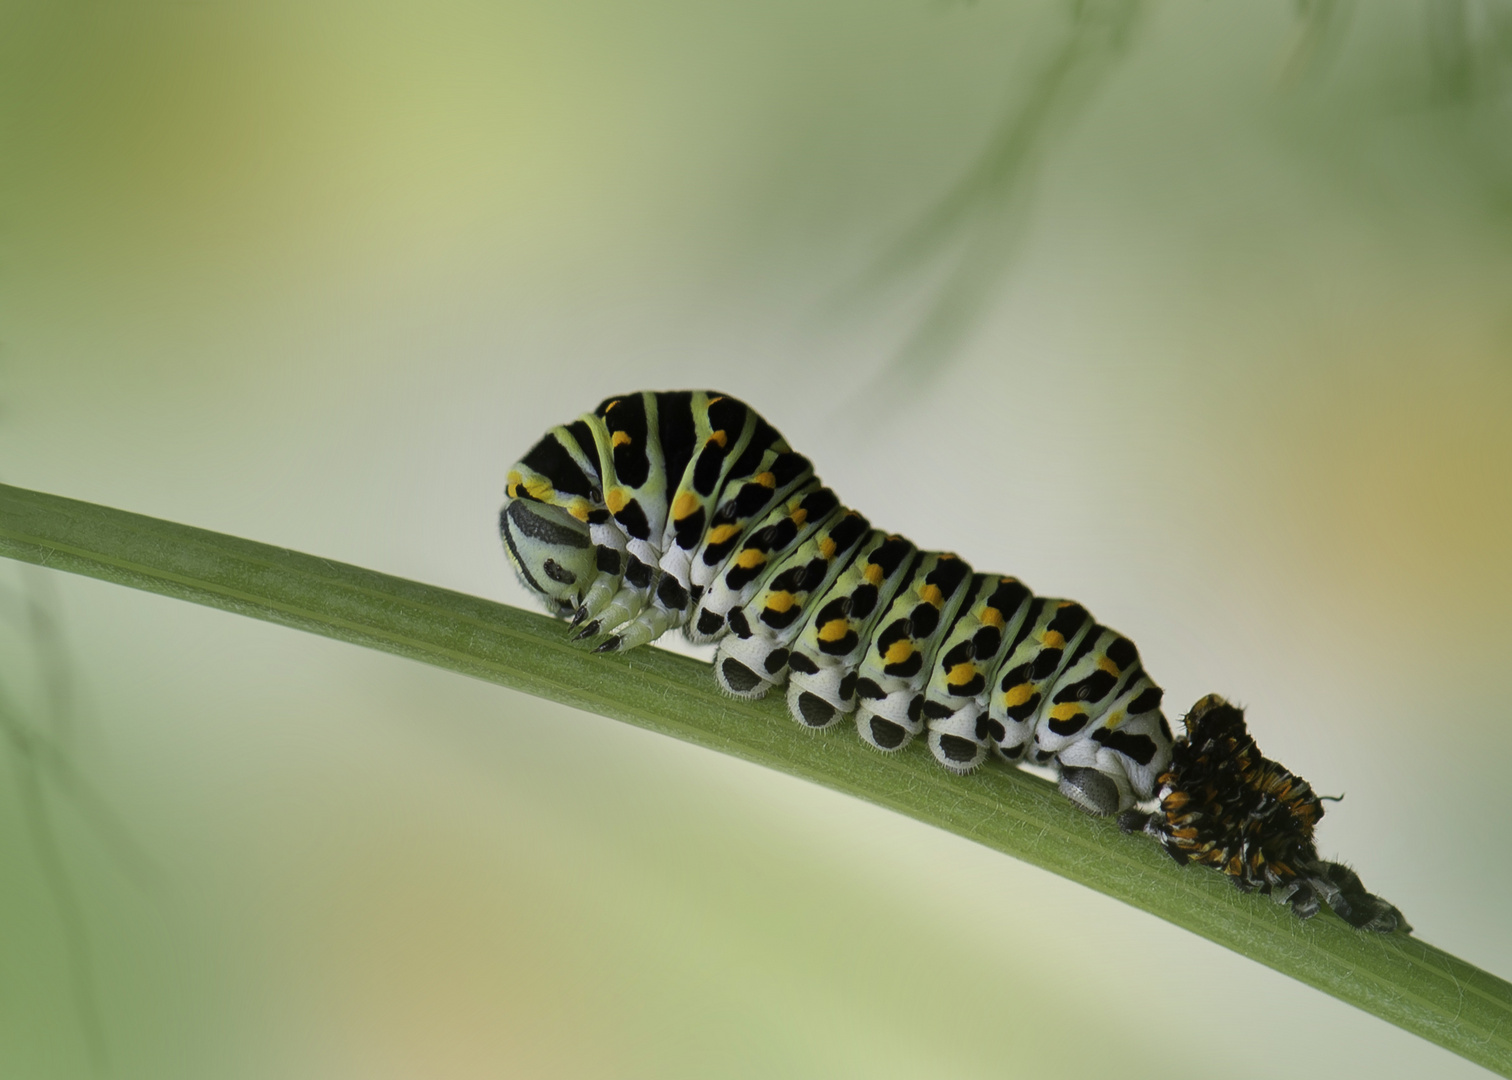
[(669, 509), (1223, 804)]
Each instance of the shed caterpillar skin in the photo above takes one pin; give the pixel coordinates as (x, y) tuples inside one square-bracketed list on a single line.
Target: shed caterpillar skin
[(686, 509), (1225, 805)]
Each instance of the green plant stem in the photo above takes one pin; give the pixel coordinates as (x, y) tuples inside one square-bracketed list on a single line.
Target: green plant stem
[(1398, 978)]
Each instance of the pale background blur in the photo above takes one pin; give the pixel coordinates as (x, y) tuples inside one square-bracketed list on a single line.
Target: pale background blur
[(1220, 345)]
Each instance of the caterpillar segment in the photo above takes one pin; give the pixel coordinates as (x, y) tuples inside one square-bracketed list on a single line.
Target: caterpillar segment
[(553, 504), (1103, 714), (760, 471), (766, 546), (648, 444), (894, 671), (753, 657), (961, 735), (832, 642), (722, 430), (1048, 635)]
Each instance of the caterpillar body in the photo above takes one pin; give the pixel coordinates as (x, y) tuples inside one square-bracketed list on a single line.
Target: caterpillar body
[(686, 509)]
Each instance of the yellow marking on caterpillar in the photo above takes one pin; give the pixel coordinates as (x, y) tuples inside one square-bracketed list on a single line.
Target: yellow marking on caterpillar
[(993, 617), (931, 594), (1065, 604), (720, 438), (779, 602), (1053, 639), (1068, 710), (684, 505), (579, 509), (1115, 718), (720, 533), (766, 479), (616, 499), (961, 674), (716, 399), (827, 548), (798, 516), (834, 630), (898, 651), (620, 438), (1018, 695), (1105, 663), (540, 488), (750, 559), (873, 574)]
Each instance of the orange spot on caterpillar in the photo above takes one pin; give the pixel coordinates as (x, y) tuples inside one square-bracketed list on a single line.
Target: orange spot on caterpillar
[(961, 674), (1018, 695), (834, 630), (898, 652), (684, 505)]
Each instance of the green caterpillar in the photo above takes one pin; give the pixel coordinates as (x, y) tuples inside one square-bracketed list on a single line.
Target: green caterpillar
[(687, 509)]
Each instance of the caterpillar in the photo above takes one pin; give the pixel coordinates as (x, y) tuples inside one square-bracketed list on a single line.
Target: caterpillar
[(686, 509)]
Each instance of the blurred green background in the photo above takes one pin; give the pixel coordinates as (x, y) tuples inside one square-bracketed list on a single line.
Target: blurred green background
[(1198, 313)]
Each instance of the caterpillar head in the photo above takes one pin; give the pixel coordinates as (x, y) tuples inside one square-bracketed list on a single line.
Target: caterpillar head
[(550, 551)]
